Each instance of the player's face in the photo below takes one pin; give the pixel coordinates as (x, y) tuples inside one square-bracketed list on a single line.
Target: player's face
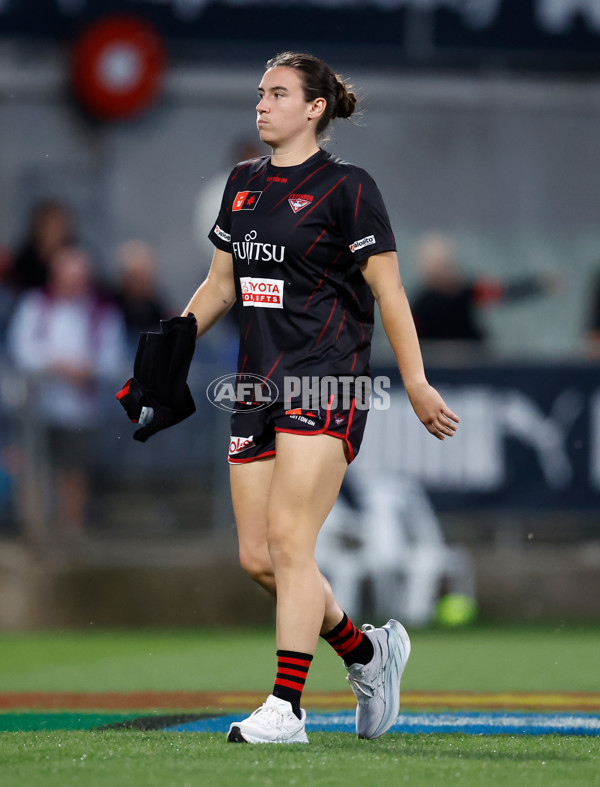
[(282, 113)]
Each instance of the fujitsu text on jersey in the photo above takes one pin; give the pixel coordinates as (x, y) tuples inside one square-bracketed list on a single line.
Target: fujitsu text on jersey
[(255, 251)]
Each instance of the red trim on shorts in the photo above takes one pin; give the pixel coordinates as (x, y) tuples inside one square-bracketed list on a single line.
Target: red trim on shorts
[(348, 445), (350, 417), (351, 454), (233, 461)]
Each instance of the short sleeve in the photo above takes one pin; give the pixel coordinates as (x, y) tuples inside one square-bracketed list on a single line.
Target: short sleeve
[(363, 219), (220, 234)]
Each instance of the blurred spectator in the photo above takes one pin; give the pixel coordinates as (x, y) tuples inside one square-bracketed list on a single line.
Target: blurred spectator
[(594, 332), (446, 308), (50, 229), (8, 296), (137, 291), (71, 342), (208, 200)]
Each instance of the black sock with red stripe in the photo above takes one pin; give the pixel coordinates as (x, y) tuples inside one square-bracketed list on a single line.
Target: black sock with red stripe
[(350, 643), (292, 669)]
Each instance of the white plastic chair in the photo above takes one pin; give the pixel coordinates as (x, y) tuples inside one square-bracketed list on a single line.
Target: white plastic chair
[(394, 541)]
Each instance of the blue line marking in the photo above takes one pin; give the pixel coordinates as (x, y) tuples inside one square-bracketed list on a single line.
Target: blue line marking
[(468, 723)]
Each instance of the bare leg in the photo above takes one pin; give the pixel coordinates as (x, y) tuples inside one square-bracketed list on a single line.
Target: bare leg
[(250, 489), (306, 480), (299, 488)]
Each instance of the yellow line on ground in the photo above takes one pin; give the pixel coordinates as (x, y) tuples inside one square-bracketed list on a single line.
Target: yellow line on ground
[(338, 700)]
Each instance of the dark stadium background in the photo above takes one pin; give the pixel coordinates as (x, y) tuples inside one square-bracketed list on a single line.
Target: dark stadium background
[(480, 124)]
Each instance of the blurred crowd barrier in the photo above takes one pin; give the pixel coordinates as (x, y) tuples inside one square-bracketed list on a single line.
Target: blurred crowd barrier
[(528, 448), (176, 484), (505, 513)]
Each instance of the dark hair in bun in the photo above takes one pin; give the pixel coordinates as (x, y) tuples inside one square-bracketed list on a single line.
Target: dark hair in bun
[(345, 103), (319, 81)]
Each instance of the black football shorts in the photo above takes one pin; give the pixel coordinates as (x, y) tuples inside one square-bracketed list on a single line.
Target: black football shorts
[(253, 431)]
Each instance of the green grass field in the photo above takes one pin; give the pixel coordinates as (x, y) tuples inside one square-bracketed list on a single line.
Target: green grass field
[(502, 659)]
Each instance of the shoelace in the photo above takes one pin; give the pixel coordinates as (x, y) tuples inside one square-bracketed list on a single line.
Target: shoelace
[(365, 688), (272, 715)]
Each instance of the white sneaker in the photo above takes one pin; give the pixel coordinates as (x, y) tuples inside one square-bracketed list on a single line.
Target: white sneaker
[(273, 722), (376, 685)]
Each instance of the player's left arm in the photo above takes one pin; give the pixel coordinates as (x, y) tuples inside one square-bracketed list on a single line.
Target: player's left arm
[(382, 274)]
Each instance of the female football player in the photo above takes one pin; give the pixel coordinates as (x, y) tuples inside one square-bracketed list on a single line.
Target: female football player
[(305, 248)]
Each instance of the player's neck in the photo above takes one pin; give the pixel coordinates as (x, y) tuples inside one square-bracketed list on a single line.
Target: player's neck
[(293, 153)]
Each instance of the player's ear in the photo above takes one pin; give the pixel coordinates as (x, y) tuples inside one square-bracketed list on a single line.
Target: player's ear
[(316, 109)]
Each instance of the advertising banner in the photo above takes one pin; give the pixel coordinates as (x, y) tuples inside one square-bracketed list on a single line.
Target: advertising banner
[(529, 438), (528, 33)]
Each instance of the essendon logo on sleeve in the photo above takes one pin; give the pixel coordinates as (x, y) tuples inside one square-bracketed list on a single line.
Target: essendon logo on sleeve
[(246, 200)]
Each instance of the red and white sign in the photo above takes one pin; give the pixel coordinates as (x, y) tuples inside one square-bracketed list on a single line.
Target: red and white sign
[(238, 444), (266, 293), (117, 66)]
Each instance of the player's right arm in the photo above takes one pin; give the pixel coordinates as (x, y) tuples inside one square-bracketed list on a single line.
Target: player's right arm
[(216, 295)]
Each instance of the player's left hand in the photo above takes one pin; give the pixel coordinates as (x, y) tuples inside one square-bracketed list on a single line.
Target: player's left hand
[(432, 411)]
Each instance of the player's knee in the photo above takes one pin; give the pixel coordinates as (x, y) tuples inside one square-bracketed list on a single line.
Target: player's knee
[(256, 567), (286, 549)]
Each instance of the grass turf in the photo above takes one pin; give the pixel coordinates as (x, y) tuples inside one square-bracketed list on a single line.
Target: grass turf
[(165, 759), (479, 659)]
